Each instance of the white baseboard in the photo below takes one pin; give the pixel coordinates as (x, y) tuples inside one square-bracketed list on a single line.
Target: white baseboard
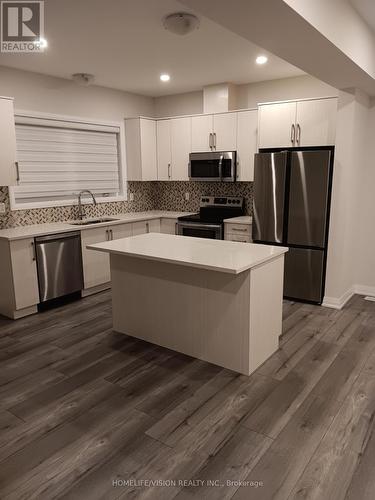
[(339, 302), (364, 290)]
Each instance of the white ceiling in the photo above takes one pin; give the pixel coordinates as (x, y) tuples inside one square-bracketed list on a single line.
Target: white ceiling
[(123, 43), (366, 9)]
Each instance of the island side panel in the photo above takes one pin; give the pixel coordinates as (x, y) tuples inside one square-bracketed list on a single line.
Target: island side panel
[(202, 313), (266, 306)]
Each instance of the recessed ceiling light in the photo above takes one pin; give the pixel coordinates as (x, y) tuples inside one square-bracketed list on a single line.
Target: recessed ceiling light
[(164, 77), (261, 59)]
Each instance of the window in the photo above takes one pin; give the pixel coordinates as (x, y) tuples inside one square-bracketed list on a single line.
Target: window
[(57, 158)]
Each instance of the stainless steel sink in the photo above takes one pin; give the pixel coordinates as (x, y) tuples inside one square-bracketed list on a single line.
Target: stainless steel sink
[(92, 221)]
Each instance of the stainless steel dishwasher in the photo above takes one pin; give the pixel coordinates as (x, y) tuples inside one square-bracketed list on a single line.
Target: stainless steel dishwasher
[(59, 263)]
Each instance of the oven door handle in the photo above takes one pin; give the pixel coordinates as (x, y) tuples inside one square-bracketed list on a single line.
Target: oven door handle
[(200, 226)]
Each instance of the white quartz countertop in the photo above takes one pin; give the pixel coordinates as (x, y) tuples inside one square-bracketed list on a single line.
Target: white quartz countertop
[(243, 219), (217, 255), (21, 232)]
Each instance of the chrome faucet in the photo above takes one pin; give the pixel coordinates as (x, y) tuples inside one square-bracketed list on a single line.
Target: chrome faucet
[(81, 212)]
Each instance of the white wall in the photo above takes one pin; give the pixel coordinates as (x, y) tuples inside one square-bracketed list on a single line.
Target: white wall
[(190, 103), (350, 265), (300, 87), (248, 95), (36, 92), (365, 214)]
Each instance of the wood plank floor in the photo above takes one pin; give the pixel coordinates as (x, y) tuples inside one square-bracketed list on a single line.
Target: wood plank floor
[(86, 413)]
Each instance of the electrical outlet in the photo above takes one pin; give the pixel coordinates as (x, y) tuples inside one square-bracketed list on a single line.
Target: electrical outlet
[(187, 196), (2, 209), (131, 196)]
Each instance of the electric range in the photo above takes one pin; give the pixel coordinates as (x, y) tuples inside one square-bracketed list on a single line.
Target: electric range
[(209, 221)]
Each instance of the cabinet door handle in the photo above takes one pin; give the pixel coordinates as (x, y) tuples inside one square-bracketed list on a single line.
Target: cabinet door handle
[(107, 233), (33, 250), (293, 134), (214, 134), (17, 171), (111, 231), (169, 170), (175, 228), (298, 139), (240, 230), (147, 227)]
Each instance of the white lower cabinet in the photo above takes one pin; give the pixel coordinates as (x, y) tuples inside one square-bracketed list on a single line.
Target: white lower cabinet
[(146, 226), (25, 276), (19, 293), (95, 264), (168, 226), (96, 269), (121, 231), (237, 232)]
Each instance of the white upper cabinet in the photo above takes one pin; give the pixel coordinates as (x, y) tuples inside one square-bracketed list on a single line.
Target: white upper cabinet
[(214, 132), (316, 122), (201, 133), (225, 132), (277, 125), (247, 126), (8, 166), (163, 135), (181, 147), (141, 149), (294, 124)]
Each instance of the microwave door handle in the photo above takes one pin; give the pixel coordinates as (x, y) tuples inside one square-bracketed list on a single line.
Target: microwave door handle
[(221, 166)]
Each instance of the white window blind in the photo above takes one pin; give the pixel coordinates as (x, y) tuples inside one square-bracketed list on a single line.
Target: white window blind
[(56, 160)]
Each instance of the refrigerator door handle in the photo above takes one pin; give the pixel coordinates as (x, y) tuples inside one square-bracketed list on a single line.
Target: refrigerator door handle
[(293, 133)]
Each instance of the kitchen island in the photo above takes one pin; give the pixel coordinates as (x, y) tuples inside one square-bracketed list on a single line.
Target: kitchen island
[(215, 300)]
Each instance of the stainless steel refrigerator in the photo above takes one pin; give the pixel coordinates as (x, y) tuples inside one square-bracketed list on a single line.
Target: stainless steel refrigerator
[(292, 191)]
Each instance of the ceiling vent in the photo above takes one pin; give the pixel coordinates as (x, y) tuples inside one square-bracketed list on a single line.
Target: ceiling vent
[(181, 23), (84, 79)]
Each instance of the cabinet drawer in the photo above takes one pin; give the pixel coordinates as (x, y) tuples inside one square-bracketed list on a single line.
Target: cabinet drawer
[(238, 237), (237, 228)]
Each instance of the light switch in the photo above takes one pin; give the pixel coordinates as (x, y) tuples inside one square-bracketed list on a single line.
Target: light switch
[(187, 196), (131, 196), (2, 209)]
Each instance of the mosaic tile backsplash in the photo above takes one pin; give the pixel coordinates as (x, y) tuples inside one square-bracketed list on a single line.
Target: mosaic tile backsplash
[(147, 196)]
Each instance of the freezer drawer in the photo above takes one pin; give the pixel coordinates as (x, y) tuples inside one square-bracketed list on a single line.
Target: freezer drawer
[(303, 274), (269, 197), (308, 199), (59, 264)]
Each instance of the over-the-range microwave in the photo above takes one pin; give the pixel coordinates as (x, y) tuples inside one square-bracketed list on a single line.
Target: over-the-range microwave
[(213, 166)]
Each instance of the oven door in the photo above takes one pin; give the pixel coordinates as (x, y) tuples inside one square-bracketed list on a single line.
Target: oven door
[(210, 231)]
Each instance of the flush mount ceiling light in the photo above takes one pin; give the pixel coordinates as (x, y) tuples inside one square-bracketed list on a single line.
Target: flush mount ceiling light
[(181, 23), (164, 77), (84, 79), (261, 59)]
